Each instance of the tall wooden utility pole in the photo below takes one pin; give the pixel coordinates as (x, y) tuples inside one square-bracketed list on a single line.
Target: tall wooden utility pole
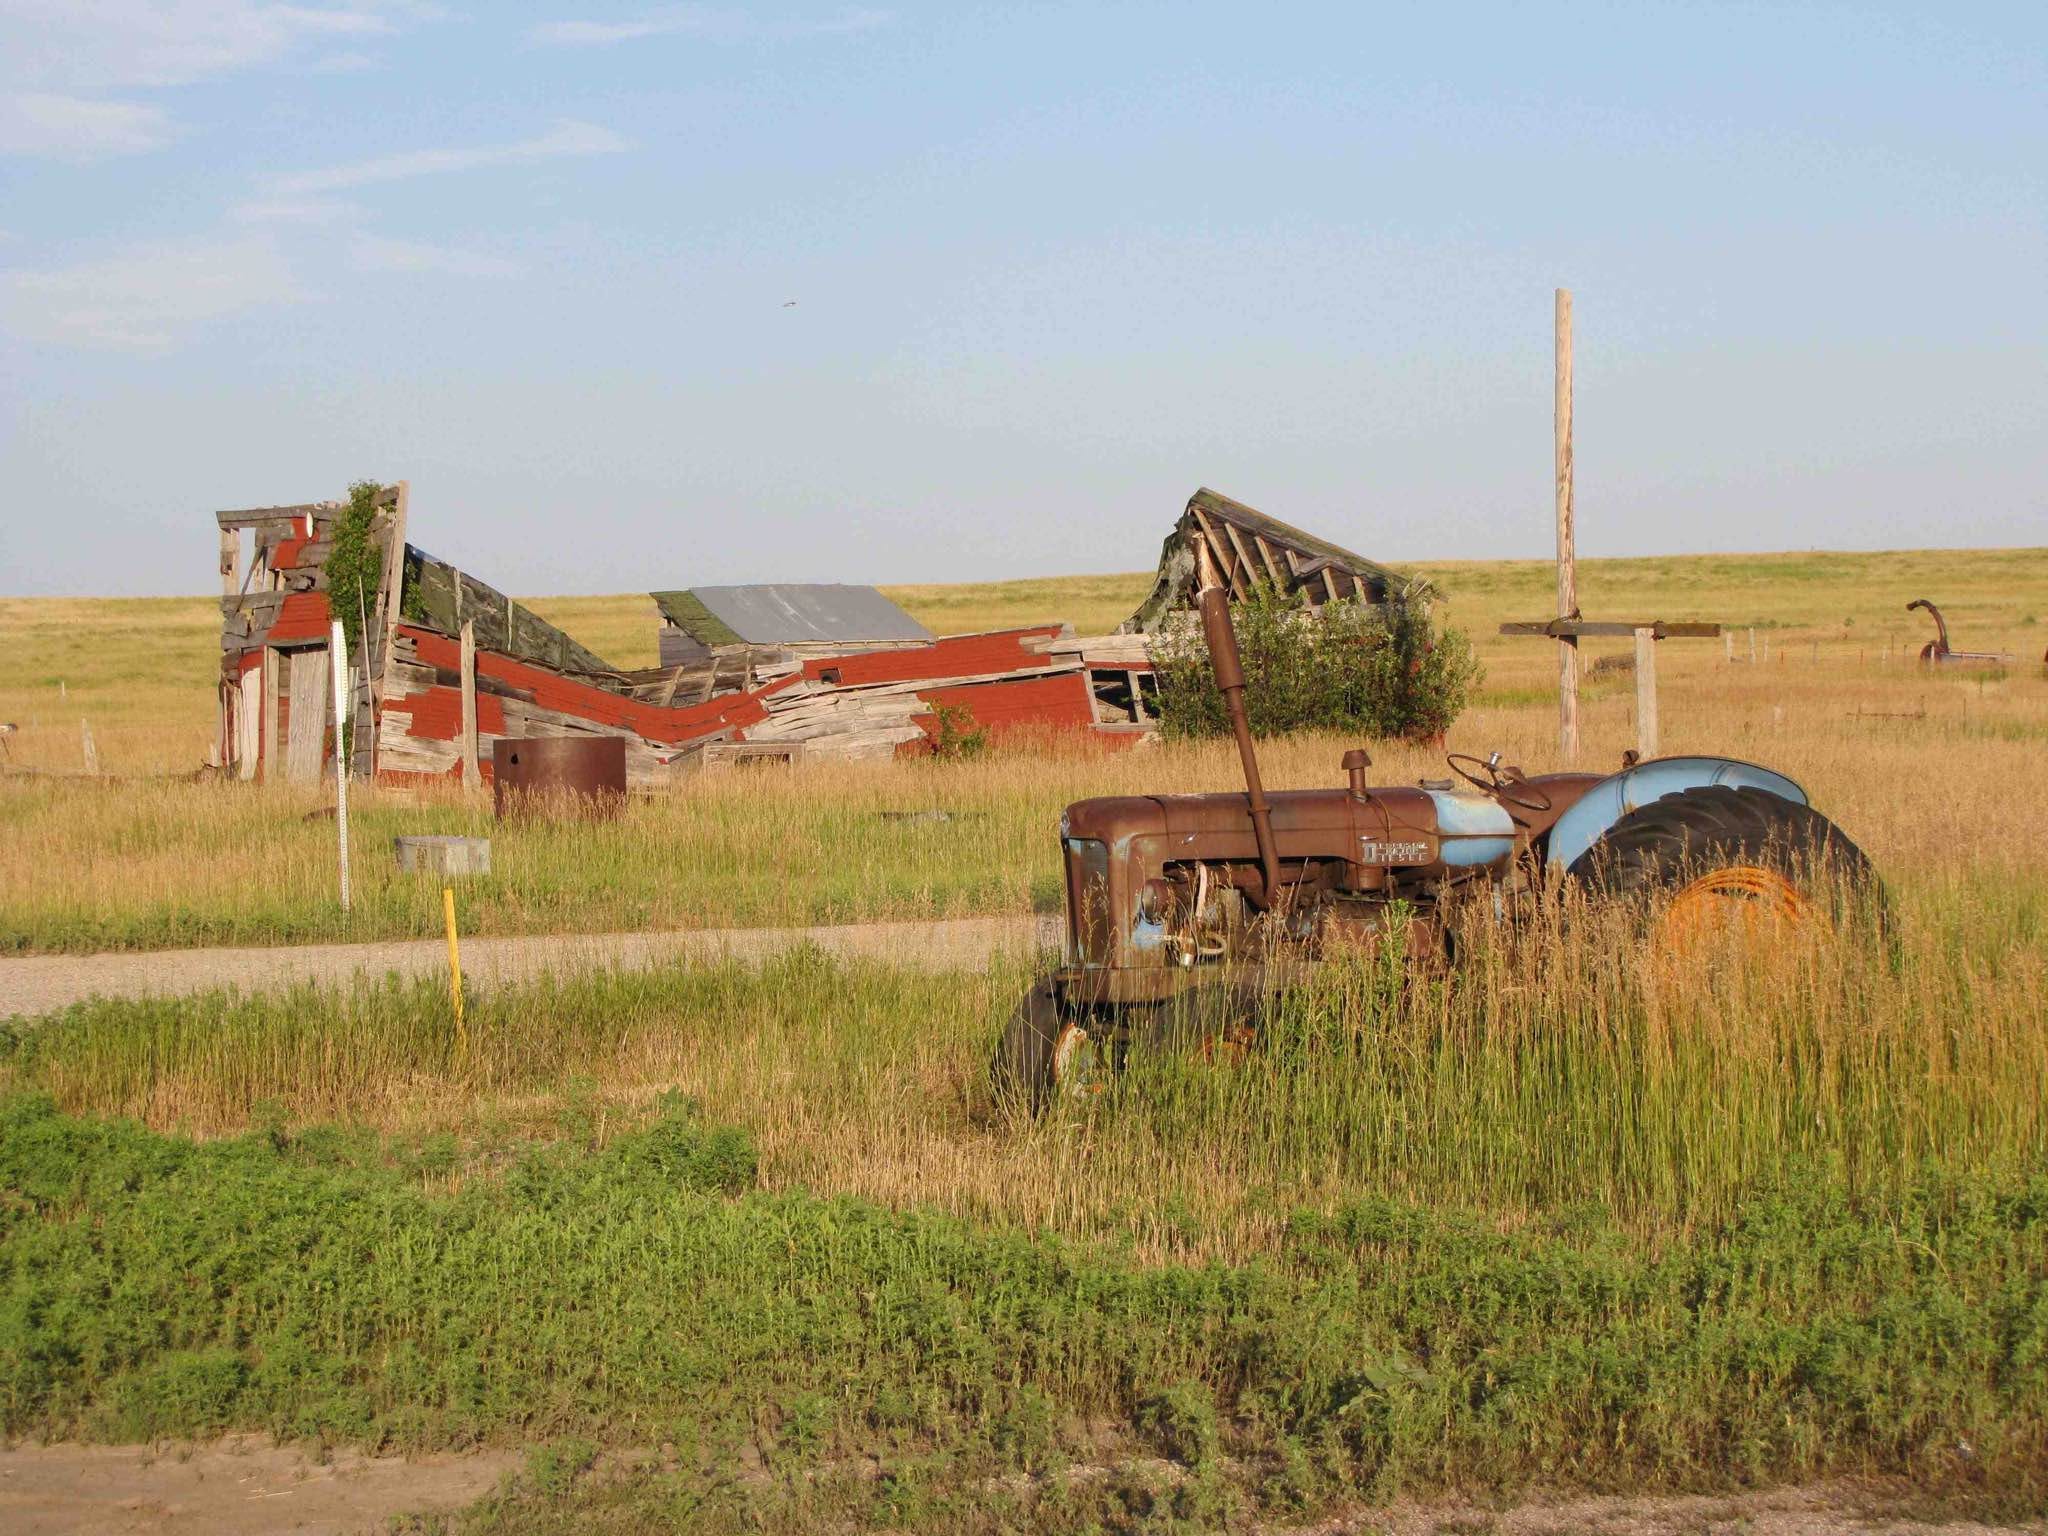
[(1567, 628), (1567, 565)]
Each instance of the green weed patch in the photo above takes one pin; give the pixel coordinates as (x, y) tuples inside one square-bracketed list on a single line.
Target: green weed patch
[(645, 1291)]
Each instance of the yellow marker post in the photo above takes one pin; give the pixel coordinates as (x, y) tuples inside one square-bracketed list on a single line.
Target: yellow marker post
[(454, 957)]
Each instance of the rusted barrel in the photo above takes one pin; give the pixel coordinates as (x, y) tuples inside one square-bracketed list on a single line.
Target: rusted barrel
[(581, 774)]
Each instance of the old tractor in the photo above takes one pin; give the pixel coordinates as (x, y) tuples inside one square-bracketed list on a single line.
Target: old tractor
[(1203, 906)]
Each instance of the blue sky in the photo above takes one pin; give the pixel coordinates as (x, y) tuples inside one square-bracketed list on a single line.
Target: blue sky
[(649, 295)]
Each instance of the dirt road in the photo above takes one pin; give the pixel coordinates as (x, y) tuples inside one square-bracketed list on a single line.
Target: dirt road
[(246, 1486), (37, 984), (240, 1486)]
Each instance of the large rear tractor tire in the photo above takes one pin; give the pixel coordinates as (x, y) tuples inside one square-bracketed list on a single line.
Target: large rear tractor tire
[(1705, 858), (1048, 1052)]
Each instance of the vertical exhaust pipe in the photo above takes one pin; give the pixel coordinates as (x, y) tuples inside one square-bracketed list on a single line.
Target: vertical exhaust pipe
[(1214, 603)]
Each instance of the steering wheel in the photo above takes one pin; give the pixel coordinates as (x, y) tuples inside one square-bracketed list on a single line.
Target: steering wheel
[(1486, 773)]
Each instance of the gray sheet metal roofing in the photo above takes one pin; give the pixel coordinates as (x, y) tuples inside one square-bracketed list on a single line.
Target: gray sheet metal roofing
[(781, 613)]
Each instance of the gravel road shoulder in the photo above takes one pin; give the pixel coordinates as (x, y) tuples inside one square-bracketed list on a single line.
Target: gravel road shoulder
[(37, 984)]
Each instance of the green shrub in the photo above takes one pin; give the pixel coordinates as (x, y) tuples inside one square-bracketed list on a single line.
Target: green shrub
[(355, 563), (1378, 670), (960, 739), (153, 1286)]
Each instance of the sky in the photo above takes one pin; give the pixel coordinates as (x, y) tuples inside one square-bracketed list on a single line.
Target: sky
[(641, 296)]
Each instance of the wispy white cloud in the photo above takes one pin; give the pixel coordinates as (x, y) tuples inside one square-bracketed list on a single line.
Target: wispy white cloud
[(565, 139), (99, 44), (62, 127), (69, 68), (705, 21), (148, 297), (374, 253)]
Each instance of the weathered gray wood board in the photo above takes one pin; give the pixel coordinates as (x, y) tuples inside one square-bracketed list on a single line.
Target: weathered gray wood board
[(306, 752), (248, 721)]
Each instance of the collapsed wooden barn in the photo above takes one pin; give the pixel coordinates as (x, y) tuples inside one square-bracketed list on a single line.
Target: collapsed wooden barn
[(1251, 551), (443, 664)]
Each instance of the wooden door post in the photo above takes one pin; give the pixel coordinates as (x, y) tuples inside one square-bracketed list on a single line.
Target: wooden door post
[(472, 773), (1646, 692), (271, 661), (1567, 563)]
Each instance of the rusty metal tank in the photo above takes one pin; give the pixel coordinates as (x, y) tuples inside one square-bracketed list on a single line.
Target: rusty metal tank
[(581, 774)]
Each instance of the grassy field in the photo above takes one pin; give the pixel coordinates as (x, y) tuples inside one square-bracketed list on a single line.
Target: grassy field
[(1579, 1214), (149, 860), (141, 670)]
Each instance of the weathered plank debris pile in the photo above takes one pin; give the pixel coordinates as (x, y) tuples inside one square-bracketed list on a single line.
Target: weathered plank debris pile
[(448, 664)]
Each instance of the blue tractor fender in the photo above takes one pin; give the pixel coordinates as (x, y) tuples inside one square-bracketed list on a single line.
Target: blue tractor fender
[(1614, 797)]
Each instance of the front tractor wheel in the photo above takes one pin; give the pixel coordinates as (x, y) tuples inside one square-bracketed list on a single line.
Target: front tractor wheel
[(1049, 1051), (1709, 859)]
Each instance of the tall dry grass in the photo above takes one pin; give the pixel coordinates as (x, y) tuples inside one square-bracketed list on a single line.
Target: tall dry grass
[(143, 670), (1936, 775), (1564, 1063)]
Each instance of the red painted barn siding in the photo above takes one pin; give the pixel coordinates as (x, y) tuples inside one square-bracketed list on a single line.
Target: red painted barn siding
[(1063, 700), (551, 690), (302, 616), (957, 656)]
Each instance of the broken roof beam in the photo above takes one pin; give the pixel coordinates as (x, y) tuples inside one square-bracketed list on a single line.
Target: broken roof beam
[(1254, 549), (257, 517)]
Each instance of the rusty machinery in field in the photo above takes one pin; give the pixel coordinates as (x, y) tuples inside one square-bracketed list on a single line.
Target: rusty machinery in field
[(1190, 909), (1937, 651)]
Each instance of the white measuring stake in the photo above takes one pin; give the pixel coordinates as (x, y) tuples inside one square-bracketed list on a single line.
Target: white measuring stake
[(344, 690)]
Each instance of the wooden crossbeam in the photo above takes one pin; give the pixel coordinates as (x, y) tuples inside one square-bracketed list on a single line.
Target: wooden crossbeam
[(1244, 559), (249, 517), (1562, 629), (1272, 566)]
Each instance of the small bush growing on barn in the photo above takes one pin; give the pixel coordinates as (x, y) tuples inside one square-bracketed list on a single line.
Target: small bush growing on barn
[(1382, 670), (355, 564), (960, 739)]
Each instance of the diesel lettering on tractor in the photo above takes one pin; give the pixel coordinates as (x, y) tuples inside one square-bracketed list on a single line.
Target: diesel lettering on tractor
[(1371, 852)]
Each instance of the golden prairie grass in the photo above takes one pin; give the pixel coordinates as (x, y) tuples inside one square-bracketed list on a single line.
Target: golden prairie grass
[(1544, 1073), (142, 671), (1936, 775)]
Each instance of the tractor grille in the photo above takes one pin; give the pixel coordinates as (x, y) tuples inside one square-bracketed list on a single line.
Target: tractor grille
[(1089, 931)]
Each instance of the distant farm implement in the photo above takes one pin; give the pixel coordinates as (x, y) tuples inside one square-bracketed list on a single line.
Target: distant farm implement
[(1938, 653), (1191, 911)]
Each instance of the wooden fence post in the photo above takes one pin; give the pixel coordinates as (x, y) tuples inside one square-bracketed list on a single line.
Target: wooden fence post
[(472, 774), (1567, 564), (1646, 692)]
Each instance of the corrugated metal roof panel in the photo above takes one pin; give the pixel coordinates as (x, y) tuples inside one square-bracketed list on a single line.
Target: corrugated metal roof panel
[(789, 613)]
